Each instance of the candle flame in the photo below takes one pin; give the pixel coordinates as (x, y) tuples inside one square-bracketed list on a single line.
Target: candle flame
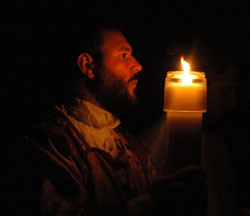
[(186, 79)]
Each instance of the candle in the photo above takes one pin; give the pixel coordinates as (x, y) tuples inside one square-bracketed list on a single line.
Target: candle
[(184, 101)]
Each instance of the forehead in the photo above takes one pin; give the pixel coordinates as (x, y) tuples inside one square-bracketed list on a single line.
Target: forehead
[(114, 41)]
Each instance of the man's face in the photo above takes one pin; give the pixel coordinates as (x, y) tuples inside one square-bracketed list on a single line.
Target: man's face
[(117, 75)]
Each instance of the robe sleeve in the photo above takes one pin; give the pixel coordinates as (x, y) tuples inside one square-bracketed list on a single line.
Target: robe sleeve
[(46, 179)]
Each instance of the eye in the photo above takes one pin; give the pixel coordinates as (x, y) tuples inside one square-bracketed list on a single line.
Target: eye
[(123, 55)]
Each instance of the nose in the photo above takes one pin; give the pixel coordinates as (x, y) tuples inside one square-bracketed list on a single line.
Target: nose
[(137, 67)]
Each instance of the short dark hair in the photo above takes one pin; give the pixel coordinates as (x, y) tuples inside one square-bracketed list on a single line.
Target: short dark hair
[(77, 41), (93, 39), (89, 41)]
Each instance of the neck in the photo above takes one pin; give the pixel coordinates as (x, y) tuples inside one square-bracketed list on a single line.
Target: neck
[(83, 93)]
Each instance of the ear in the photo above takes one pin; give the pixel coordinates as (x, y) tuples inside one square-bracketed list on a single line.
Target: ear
[(85, 63)]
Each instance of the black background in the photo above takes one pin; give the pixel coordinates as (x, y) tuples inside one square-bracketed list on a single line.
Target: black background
[(211, 35)]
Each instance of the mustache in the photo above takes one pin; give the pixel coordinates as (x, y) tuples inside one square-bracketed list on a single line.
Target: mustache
[(135, 77)]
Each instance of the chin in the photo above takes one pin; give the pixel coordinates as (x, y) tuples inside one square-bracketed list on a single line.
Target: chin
[(133, 98), (131, 94)]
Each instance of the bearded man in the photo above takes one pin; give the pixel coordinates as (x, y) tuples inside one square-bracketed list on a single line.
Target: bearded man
[(80, 161)]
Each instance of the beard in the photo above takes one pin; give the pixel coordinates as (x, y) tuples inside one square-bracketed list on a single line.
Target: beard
[(112, 92)]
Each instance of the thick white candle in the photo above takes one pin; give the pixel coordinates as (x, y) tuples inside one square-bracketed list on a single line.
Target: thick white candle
[(182, 97), (184, 102)]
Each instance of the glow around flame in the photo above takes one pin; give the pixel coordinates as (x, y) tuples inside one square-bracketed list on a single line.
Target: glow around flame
[(186, 78)]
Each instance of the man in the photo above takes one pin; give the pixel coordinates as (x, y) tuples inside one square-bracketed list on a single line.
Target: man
[(80, 161)]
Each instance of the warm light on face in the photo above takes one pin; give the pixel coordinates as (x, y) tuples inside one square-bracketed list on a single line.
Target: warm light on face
[(186, 78)]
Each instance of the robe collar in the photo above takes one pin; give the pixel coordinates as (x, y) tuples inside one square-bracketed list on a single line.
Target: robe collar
[(92, 115)]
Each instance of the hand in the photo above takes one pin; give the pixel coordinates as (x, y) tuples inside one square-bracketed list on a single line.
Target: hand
[(182, 193)]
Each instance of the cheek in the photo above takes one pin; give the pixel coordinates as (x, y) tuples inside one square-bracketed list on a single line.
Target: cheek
[(123, 71), (120, 69)]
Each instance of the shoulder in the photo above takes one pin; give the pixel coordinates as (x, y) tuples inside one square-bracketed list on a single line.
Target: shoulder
[(52, 126), (53, 146), (54, 138)]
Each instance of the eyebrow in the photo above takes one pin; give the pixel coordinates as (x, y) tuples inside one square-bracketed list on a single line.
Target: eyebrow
[(125, 49)]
